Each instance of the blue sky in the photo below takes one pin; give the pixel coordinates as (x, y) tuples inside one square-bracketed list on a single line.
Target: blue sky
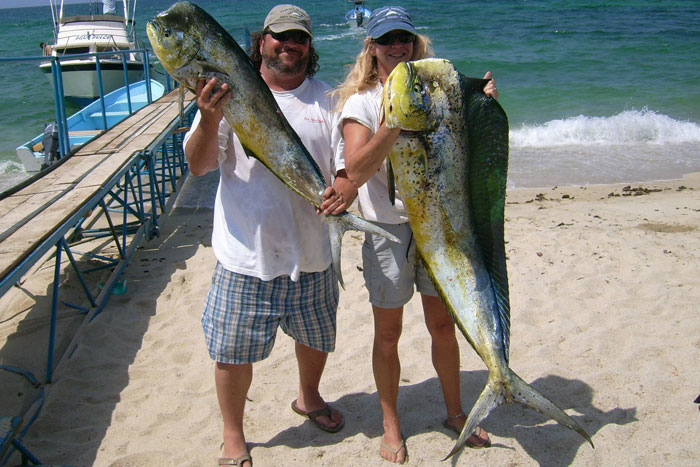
[(21, 3)]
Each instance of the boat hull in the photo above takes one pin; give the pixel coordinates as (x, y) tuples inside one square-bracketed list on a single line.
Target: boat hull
[(90, 121), (81, 80)]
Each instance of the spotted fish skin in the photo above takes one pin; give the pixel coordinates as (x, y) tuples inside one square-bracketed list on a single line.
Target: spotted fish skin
[(191, 45), (450, 166)]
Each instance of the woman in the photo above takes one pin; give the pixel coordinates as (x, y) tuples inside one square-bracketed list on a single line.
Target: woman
[(390, 271)]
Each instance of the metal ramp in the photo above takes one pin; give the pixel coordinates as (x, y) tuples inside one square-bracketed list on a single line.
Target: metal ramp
[(89, 215)]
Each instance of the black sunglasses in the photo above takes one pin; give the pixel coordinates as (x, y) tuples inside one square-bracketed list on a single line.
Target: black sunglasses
[(300, 37), (389, 38)]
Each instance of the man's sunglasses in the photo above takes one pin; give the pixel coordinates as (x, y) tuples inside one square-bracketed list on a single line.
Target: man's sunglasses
[(300, 37), (404, 37)]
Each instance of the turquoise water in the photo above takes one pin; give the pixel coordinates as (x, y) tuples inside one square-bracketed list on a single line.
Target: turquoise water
[(596, 91)]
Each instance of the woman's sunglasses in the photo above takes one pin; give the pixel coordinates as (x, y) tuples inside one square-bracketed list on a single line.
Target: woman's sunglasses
[(404, 37), (300, 37)]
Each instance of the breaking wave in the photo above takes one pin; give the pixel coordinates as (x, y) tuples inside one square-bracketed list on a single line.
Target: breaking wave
[(628, 127)]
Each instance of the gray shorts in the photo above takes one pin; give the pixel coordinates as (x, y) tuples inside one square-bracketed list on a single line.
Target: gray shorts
[(391, 269), (242, 313)]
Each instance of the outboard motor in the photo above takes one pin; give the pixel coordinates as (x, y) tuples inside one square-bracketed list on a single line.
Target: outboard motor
[(50, 143)]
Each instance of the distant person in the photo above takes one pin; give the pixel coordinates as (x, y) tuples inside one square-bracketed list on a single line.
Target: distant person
[(391, 269), (273, 250)]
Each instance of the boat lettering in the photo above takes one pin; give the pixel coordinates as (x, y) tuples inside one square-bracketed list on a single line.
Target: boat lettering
[(93, 37)]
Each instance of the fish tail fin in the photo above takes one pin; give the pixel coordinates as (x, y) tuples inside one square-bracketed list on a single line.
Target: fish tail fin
[(523, 393), (513, 389), (336, 231), (491, 397), (339, 224)]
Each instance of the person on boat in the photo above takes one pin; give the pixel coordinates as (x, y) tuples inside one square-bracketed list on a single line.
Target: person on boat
[(274, 262), (45, 49), (391, 269)]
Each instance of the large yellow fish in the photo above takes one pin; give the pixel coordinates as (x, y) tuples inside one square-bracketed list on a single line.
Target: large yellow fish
[(450, 168)]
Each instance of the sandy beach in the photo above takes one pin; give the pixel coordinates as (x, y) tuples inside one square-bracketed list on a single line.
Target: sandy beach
[(604, 321)]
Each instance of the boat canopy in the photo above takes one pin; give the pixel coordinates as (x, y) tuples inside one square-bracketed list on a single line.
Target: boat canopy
[(108, 7)]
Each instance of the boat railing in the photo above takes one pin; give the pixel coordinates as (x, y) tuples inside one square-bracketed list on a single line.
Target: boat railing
[(57, 82), (93, 18)]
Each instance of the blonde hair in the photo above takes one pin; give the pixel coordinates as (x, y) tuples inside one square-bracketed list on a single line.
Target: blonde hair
[(363, 74)]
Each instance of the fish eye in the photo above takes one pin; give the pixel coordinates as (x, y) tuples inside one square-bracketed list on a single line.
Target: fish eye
[(417, 87), (167, 32)]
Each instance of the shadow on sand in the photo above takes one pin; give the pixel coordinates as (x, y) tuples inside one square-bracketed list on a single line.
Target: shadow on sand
[(548, 445)]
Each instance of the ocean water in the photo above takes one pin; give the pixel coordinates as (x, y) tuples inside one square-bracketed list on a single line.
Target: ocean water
[(595, 91)]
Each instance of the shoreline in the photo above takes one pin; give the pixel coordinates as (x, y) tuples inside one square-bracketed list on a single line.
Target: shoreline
[(604, 288)]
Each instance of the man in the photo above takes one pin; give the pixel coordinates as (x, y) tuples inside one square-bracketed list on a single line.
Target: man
[(272, 248)]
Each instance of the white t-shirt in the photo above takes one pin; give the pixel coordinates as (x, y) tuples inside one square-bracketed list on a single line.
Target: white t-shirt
[(261, 227), (373, 196)]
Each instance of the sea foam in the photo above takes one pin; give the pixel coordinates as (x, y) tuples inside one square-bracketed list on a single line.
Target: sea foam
[(628, 127)]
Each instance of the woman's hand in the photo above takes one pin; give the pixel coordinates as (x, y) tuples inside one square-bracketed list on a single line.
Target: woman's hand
[(339, 197), (490, 88)]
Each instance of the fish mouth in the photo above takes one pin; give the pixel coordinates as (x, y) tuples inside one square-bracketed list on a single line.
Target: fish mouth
[(154, 27), (156, 32), (152, 30)]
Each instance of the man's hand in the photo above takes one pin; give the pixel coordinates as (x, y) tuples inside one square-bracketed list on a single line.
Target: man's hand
[(211, 101)]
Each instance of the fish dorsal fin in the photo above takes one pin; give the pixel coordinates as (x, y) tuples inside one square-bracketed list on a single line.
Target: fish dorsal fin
[(487, 133)]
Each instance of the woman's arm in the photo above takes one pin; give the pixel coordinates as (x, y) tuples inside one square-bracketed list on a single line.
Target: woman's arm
[(364, 152)]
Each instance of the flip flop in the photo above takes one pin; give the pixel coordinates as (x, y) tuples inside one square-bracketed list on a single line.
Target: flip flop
[(396, 449), (314, 414), (238, 461), (468, 443)]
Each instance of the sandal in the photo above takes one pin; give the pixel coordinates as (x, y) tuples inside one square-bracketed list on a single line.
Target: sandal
[(402, 445), (238, 461), (314, 414), (477, 431)]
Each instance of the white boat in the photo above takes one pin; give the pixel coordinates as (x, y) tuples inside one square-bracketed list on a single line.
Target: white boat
[(90, 33), (358, 16), (41, 151)]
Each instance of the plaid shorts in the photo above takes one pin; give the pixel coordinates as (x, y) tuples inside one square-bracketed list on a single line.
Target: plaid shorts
[(242, 313)]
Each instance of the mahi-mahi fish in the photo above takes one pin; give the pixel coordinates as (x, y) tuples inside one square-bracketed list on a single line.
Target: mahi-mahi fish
[(191, 45), (450, 167)]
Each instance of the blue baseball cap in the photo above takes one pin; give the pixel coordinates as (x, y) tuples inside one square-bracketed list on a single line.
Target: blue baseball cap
[(389, 18)]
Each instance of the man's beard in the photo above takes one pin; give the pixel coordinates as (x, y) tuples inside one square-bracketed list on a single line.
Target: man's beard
[(274, 62)]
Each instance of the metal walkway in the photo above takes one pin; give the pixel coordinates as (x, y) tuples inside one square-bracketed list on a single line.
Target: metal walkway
[(114, 190)]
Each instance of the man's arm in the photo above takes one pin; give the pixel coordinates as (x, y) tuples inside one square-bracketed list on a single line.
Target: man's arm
[(202, 148)]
